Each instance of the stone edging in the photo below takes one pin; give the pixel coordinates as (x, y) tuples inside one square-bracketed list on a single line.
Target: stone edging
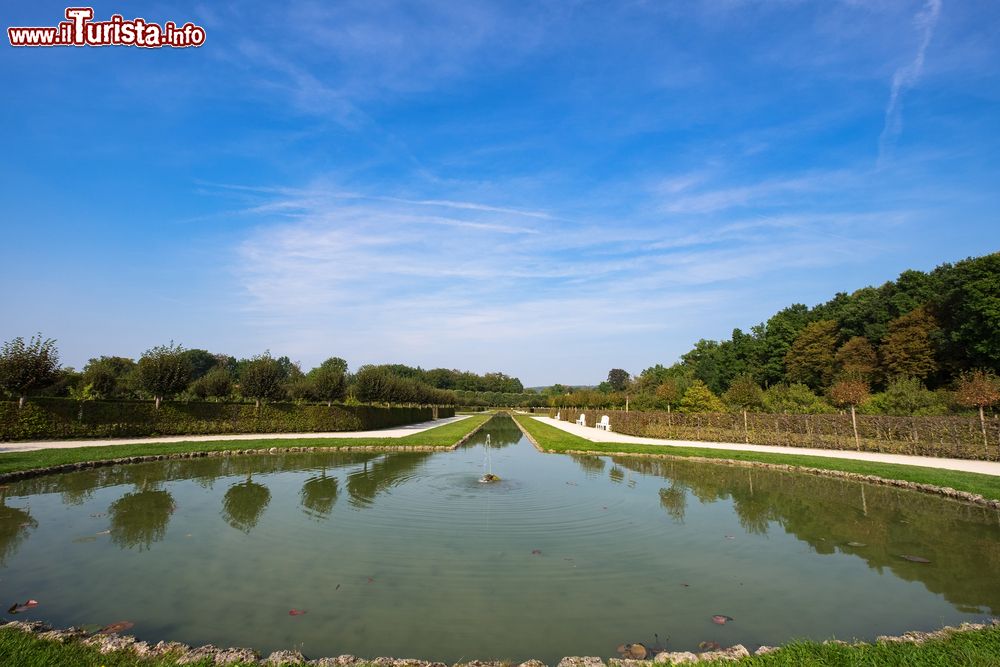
[(946, 491), (184, 654), (82, 465)]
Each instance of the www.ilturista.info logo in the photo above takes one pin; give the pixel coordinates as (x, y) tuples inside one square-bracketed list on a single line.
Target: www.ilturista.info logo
[(80, 30)]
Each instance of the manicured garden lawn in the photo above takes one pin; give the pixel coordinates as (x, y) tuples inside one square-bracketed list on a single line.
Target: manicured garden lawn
[(556, 440), (441, 436)]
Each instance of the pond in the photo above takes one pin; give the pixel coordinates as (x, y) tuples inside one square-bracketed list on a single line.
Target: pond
[(408, 555)]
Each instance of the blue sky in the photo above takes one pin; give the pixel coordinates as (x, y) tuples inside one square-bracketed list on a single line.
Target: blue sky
[(548, 189)]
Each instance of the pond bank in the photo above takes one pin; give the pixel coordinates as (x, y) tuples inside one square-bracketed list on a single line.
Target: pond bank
[(37, 643)]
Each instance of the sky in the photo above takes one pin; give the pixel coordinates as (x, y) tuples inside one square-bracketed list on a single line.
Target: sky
[(547, 189)]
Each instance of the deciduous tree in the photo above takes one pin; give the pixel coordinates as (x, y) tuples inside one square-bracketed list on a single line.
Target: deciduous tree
[(163, 371), (699, 398), (907, 350), (27, 366), (978, 389), (810, 359), (851, 392)]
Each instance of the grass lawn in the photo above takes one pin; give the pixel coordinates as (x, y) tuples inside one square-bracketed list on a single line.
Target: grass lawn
[(553, 439), (440, 436)]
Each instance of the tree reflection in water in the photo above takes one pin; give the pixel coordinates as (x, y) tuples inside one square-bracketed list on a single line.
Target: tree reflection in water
[(140, 518), (244, 503), (318, 496), (15, 524)]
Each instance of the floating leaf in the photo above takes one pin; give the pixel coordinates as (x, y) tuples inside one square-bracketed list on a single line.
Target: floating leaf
[(730, 537), (914, 559), (296, 612), (709, 646), (371, 580), (721, 619), (536, 552), (857, 544), (337, 588), (115, 628), (18, 608)]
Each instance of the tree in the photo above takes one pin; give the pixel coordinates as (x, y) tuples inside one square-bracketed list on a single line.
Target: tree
[(699, 398), (202, 361), (744, 393), (811, 357), (907, 350), (968, 306), (217, 383), (668, 394), (794, 399), (27, 366), (328, 382), (108, 376), (618, 379), (857, 358), (163, 371), (906, 396), (978, 389), (852, 392), (263, 378)]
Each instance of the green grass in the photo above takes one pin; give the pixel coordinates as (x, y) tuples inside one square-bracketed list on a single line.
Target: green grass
[(975, 648), (441, 436), (553, 439)]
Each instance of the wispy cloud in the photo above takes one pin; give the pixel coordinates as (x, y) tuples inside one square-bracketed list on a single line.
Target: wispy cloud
[(907, 77)]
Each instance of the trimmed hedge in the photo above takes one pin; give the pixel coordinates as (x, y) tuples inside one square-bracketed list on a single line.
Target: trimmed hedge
[(61, 418), (946, 436)]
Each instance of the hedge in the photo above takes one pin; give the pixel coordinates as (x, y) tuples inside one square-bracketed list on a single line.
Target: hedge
[(946, 436), (60, 418)]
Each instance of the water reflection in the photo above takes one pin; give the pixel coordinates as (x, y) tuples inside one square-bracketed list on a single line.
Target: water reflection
[(392, 470), (244, 503), (592, 465), (674, 500), (318, 496), (828, 514), (15, 525), (140, 517)]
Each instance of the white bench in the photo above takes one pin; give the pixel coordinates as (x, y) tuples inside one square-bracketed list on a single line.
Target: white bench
[(581, 420), (605, 423)]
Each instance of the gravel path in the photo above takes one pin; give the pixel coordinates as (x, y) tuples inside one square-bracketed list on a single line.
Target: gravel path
[(395, 432), (964, 465)]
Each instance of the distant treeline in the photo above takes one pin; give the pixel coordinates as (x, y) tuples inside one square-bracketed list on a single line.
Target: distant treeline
[(31, 368)]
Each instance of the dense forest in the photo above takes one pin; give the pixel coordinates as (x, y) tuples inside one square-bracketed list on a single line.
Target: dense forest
[(902, 348)]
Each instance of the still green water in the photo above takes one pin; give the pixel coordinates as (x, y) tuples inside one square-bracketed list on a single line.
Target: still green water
[(408, 555)]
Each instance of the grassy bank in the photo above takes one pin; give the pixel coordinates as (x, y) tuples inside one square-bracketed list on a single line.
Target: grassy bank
[(553, 439), (441, 436), (975, 648)]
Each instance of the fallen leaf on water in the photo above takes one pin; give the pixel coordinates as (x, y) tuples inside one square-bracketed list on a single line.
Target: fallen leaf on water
[(709, 646), (730, 537), (99, 515), (371, 580), (536, 552), (296, 612), (103, 532), (914, 559), (857, 544), (115, 628), (337, 588), (721, 619), (637, 651), (18, 608), (685, 585)]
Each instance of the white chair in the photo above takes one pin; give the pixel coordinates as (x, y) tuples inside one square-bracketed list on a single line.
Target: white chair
[(558, 416), (581, 420), (605, 423)]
